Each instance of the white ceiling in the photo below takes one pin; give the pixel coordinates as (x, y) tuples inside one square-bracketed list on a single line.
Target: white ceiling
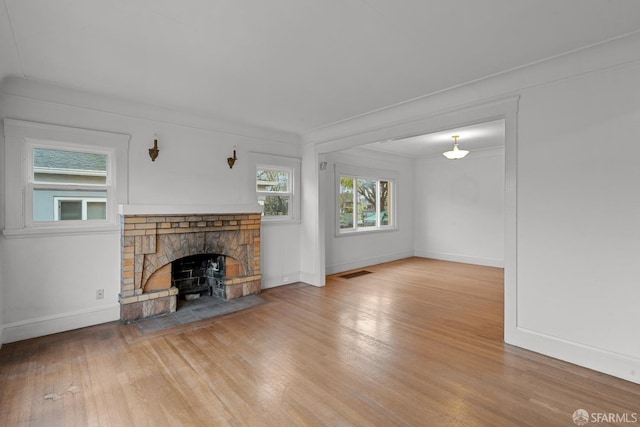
[(293, 65), (474, 138)]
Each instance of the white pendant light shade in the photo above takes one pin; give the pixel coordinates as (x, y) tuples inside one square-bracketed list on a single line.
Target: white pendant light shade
[(455, 153)]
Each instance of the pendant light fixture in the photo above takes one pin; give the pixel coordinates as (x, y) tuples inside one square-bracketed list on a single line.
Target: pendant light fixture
[(455, 153)]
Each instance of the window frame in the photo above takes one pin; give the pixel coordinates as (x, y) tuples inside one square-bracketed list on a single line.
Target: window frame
[(378, 175), (284, 163), (288, 193), (21, 137)]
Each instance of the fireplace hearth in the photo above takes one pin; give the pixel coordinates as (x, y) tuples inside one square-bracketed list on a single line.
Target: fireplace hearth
[(169, 256)]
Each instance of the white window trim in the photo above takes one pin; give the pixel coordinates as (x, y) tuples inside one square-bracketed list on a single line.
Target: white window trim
[(356, 172), (291, 164), (20, 139)]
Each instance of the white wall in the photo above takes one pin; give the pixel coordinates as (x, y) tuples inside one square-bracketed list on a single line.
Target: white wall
[(1, 293), (312, 241), (572, 237), (2, 224), (578, 210), (352, 251), (459, 208), (280, 254), (49, 283)]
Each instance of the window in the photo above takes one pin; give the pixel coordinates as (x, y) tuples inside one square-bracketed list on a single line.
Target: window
[(364, 203), (68, 185), (62, 180), (273, 188), (276, 179), (69, 208)]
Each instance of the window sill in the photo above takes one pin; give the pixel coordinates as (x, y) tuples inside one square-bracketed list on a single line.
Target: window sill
[(59, 231), (280, 221), (360, 232)]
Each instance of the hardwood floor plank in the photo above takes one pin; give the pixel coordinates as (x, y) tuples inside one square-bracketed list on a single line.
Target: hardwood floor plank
[(416, 342)]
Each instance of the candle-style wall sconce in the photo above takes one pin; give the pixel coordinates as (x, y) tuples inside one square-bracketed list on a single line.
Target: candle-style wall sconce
[(153, 152), (232, 160)]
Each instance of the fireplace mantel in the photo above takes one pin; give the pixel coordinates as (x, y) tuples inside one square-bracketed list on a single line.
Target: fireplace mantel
[(182, 209)]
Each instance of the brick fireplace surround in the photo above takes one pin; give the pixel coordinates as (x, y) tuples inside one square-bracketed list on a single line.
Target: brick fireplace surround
[(150, 242)]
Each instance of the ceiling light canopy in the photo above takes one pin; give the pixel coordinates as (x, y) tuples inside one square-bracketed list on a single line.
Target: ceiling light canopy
[(455, 153)]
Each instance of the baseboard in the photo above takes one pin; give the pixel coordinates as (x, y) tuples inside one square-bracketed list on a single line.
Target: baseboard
[(31, 328), (366, 262), (615, 364), (312, 279), (444, 256), (284, 279)]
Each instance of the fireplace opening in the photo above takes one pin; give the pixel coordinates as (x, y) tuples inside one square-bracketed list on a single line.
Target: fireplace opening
[(198, 275)]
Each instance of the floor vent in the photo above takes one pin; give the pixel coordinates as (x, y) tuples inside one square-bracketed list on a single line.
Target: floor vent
[(355, 274)]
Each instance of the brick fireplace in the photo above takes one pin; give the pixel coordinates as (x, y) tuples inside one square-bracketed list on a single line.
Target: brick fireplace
[(150, 243)]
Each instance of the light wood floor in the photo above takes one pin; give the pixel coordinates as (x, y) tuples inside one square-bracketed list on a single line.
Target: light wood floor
[(416, 343)]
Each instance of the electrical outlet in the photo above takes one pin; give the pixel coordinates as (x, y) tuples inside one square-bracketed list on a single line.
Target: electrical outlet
[(99, 293)]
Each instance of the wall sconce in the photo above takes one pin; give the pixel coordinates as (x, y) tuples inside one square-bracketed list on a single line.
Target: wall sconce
[(232, 160), (153, 152)]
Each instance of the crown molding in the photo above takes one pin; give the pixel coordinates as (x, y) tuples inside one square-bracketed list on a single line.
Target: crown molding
[(46, 92), (618, 52)]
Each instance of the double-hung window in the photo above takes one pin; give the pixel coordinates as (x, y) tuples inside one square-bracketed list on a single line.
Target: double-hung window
[(365, 202), (276, 183), (63, 180), (273, 186)]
